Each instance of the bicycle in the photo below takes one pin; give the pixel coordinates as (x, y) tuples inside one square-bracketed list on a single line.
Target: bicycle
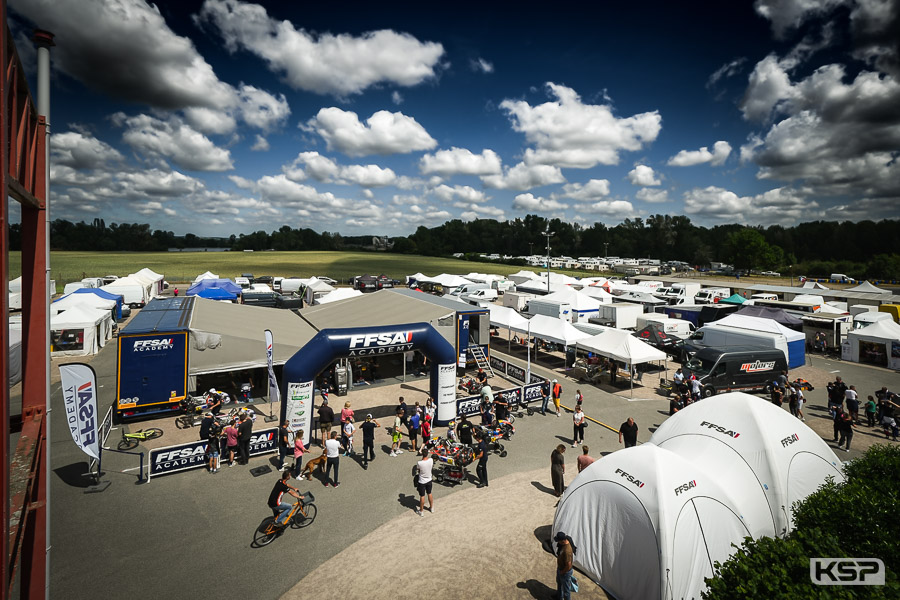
[(131, 440), (302, 514)]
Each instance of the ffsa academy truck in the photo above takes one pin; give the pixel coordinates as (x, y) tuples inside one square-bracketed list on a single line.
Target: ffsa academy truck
[(152, 365)]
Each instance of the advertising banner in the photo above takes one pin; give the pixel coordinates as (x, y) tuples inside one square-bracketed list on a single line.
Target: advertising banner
[(462, 344), (531, 393), (498, 365), (273, 383), (192, 455), (446, 400), (516, 372), (537, 379), (299, 408), (79, 388), (512, 396), (468, 406)]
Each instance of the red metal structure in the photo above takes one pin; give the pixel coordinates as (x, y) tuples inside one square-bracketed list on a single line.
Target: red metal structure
[(23, 154)]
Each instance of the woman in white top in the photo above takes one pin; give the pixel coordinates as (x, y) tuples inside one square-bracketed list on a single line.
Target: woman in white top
[(430, 408), (578, 425)]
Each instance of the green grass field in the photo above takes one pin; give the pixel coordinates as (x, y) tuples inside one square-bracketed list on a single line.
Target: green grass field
[(181, 267)]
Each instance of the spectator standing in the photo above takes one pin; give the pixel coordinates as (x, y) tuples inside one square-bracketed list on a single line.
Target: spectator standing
[(413, 430), (579, 398), (836, 392), (347, 437), (783, 381), (404, 415), (628, 431), (481, 454), (326, 421), (871, 409), (424, 467), (556, 390), (545, 395), (325, 388), (245, 431), (396, 434), (695, 388), (564, 572), (231, 442), (837, 420), (368, 428), (464, 430), (845, 427), (332, 459), (501, 408), (792, 401), (584, 461), (558, 470), (801, 400), (487, 415), (212, 446), (299, 450), (852, 399), (578, 423), (346, 413), (777, 396), (430, 408), (284, 444), (426, 431), (175, 291)]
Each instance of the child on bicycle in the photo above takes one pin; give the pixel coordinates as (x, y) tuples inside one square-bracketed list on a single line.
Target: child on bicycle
[(276, 498)]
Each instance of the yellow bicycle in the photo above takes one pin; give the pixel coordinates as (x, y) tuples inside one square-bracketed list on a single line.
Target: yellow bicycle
[(131, 440)]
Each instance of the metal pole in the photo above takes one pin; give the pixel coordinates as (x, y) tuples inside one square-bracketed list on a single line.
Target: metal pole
[(528, 350)]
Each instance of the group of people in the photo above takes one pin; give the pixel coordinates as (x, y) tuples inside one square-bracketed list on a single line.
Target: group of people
[(236, 434), (783, 389)]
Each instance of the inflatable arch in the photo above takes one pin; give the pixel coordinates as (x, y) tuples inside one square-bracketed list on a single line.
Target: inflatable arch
[(298, 380)]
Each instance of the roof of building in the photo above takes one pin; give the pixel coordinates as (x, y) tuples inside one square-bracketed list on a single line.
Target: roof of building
[(384, 307)]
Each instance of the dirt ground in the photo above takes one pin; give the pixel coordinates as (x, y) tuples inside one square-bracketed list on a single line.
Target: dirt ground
[(479, 543)]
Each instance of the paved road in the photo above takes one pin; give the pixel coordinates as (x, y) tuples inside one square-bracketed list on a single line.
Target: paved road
[(189, 534)]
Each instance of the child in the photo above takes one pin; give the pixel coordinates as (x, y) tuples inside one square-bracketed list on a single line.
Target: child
[(426, 431), (347, 436), (396, 434)]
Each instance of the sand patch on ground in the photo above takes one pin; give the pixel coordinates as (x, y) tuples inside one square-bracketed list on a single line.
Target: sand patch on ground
[(479, 543)]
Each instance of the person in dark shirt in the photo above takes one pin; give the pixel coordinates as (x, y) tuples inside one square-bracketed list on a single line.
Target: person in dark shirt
[(215, 402), (368, 429), (628, 431), (326, 421), (205, 425), (481, 455), (245, 431), (481, 377), (284, 444), (276, 497), (464, 430), (545, 395), (404, 417), (501, 408), (213, 446)]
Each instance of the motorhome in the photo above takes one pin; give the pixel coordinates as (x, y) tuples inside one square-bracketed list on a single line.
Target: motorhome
[(711, 295)]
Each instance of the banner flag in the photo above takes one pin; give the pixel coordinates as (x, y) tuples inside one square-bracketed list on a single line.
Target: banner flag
[(79, 387), (274, 393)]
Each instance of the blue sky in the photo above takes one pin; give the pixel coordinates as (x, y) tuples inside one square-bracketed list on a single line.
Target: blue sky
[(221, 116)]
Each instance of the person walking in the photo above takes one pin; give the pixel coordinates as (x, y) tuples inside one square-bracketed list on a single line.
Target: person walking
[(845, 427), (556, 390), (871, 409), (299, 450), (245, 431), (332, 459), (426, 430), (396, 434), (801, 400), (284, 444), (578, 424), (558, 470), (565, 552), (579, 397), (545, 395), (792, 401), (852, 399), (628, 431), (481, 455), (368, 428), (424, 467), (326, 421), (584, 461)]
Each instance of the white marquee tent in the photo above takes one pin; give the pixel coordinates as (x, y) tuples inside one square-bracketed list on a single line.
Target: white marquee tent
[(754, 446), (94, 325), (153, 278), (551, 329), (878, 343), (207, 275), (134, 290), (865, 286), (622, 346), (88, 300), (15, 355), (338, 294), (649, 524)]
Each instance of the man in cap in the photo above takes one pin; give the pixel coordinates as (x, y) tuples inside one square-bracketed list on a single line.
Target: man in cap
[(326, 420), (215, 401), (564, 555), (368, 429)]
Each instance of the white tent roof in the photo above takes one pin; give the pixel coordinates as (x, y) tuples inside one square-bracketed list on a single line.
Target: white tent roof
[(867, 287), (417, 276), (15, 286), (808, 299), (88, 300), (759, 324), (756, 447), (525, 274), (540, 286), (830, 309), (149, 274), (642, 296), (78, 316), (504, 316), (448, 280), (577, 300), (815, 285), (649, 524), (15, 355), (879, 330), (207, 275), (595, 291), (317, 285), (551, 329), (622, 346), (338, 294)]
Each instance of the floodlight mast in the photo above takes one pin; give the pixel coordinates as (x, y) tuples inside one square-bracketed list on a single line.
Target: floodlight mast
[(548, 233)]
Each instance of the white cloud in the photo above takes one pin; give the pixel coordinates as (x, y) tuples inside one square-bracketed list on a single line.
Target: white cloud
[(783, 205), (787, 15), (162, 69), (396, 97), (612, 209), (769, 86), (210, 120), (524, 177), (727, 70), (481, 66), (80, 151), (260, 144), (530, 203), (462, 193), (368, 175), (460, 161), (644, 176), (173, 140), (568, 133), (383, 133), (323, 63), (592, 190), (652, 196), (261, 109), (324, 169), (689, 158)]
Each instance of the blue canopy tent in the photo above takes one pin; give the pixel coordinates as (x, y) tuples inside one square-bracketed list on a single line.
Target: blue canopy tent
[(119, 298), (215, 293), (227, 286)]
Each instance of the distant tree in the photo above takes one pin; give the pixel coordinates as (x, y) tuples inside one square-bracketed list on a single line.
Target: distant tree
[(747, 249)]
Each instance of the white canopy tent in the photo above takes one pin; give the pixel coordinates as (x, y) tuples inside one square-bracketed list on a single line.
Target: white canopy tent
[(207, 275), (504, 316), (865, 286), (88, 300), (649, 524), (620, 345), (152, 277), (595, 291), (134, 290), (551, 329), (878, 343), (449, 281), (540, 286), (338, 294), (814, 285), (315, 289), (95, 327), (581, 303), (754, 446)]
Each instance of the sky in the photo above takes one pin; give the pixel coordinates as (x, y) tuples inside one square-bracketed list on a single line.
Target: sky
[(219, 117)]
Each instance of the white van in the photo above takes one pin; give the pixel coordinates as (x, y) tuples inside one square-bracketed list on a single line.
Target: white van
[(468, 288), (764, 297), (503, 285), (841, 278)]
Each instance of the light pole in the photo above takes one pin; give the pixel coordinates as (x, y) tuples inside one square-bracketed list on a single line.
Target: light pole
[(548, 233)]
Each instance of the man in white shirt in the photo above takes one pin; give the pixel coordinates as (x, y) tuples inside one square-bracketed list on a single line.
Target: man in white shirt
[(333, 458), (425, 465)]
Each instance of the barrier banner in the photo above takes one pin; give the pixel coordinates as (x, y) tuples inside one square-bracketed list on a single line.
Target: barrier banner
[(299, 408), (516, 372), (536, 379), (79, 388), (192, 455), (498, 365), (512, 396), (531, 393), (468, 406)]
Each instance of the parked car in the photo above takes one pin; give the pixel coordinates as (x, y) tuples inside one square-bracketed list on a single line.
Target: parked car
[(770, 274)]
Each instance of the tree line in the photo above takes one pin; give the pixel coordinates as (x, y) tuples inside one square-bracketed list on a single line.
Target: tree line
[(817, 248)]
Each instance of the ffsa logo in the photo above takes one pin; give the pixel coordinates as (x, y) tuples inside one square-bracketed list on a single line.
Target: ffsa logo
[(685, 487), (630, 478), (151, 345), (380, 343), (790, 440), (720, 429), (846, 571)]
